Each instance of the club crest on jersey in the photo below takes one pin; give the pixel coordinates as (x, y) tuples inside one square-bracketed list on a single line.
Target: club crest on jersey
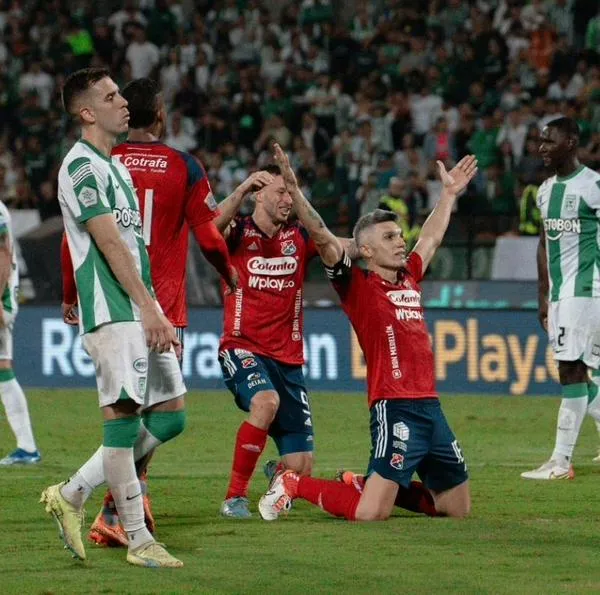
[(571, 202), (288, 247), (397, 461)]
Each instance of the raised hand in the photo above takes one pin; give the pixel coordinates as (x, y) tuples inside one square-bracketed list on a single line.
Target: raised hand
[(458, 178), (289, 177), (257, 181)]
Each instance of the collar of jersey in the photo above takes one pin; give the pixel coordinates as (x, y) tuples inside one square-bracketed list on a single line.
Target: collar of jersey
[(99, 153), (401, 276), (571, 175), (261, 232)]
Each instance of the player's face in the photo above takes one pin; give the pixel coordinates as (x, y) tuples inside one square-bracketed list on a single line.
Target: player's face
[(276, 201), (385, 246), (554, 147), (108, 107)]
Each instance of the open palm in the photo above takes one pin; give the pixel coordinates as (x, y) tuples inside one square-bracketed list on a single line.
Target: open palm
[(287, 172), (458, 178)]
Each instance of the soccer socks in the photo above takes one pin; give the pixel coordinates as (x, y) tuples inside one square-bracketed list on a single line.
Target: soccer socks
[(416, 498), (119, 469), (157, 428), (249, 444), (570, 416), (89, 476), (336, 498), (17, 413)]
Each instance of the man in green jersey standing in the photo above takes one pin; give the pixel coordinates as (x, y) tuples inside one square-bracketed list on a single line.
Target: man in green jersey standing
[(569, 285), (123, 329)]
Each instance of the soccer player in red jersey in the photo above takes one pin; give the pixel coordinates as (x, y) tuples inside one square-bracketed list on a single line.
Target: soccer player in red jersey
[(174, 196), (261, 350), (409, 431)]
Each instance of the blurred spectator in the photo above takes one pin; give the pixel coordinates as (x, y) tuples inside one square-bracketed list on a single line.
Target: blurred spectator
[(143, 56)]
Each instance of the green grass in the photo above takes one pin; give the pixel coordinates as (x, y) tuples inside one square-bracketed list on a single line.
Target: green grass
[(523, 537)]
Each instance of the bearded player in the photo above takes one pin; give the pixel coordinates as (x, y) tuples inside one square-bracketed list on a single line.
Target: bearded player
[(175, 197), (409, 431)]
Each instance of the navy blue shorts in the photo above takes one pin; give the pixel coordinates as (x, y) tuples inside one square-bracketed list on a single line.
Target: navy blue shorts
[(412, 435), (246, 374)]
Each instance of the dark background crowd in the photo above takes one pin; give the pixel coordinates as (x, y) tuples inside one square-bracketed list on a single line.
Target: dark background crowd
[(364, 95)]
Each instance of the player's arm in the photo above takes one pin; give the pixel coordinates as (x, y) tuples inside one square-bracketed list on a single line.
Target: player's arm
[(5, 262), (160, 334), (543, 281), (329, 247), (229, 207), (434, 228), (69, 303)]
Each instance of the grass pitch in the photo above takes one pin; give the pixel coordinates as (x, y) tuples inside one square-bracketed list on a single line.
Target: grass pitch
[(522, 537)]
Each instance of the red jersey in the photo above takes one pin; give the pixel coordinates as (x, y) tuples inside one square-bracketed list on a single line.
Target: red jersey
[(265, 313), (174, 196), (390, 326)]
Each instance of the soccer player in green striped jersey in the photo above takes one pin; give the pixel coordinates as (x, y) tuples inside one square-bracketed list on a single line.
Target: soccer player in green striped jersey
[(123, 328), (569, 285), (11, 393)]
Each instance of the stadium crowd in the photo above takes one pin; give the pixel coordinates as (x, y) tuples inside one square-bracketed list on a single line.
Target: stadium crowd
[(364, 95)]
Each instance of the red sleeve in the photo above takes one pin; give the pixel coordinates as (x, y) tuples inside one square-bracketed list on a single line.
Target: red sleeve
[(200, 205), (214, 248), (68, 275), (414, 265)]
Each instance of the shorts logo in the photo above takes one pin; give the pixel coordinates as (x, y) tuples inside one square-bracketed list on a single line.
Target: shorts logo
[(253, 376), (249, 362), (397, 461), (88, 196), (142, 386), (399, 445), (288, 248), (242, 353), (401, 431), (595, 350), (140, 365)]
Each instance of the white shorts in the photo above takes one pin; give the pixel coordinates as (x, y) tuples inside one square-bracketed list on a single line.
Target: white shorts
[(574, 330), (126, 368), (6, 336)]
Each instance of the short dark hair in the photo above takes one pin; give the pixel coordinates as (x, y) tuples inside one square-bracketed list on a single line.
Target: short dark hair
[(567, 126), (78, 82), (370, 219), (142, 95), (272, 168)]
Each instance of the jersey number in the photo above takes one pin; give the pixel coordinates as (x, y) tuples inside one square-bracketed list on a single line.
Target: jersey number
[(561, 336), (147, 223)]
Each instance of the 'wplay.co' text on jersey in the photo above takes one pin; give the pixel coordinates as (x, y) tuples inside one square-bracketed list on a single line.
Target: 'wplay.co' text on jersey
[(570, 209), (265, 315), (390, 326)]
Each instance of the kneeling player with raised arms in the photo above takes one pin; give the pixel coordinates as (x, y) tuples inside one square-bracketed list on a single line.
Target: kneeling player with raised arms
[(409, 431)]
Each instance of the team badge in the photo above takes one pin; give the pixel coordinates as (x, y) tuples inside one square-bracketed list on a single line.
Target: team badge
[(249, 362), (288, 247), (571, 202), (397, 461)]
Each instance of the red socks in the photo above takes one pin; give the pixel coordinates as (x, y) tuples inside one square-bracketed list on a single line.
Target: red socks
[(334, 497), (249, 444), (416, 498)]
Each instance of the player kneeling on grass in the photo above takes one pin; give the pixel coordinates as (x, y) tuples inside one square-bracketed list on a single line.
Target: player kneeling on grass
[(409, 431), (124, 330)]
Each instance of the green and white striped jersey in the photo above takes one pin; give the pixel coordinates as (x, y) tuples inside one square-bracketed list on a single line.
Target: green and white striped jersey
[(570, 209), (91, 184), (10, 295)]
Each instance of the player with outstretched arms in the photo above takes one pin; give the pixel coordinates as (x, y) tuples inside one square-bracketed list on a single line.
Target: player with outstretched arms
[(409, 431), (569, 286), (175, 197), (130, 341)]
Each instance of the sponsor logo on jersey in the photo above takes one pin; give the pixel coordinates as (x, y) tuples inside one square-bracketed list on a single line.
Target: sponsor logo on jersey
[(288, 248), (286, 234), (401, 431), (250, 233), (397, 461), (407, 314), (555, 228), (88, 196), (126, 217), (391, 337), (255, 282), (210, 201), (145, 161), (407, 298), (272, 267)]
